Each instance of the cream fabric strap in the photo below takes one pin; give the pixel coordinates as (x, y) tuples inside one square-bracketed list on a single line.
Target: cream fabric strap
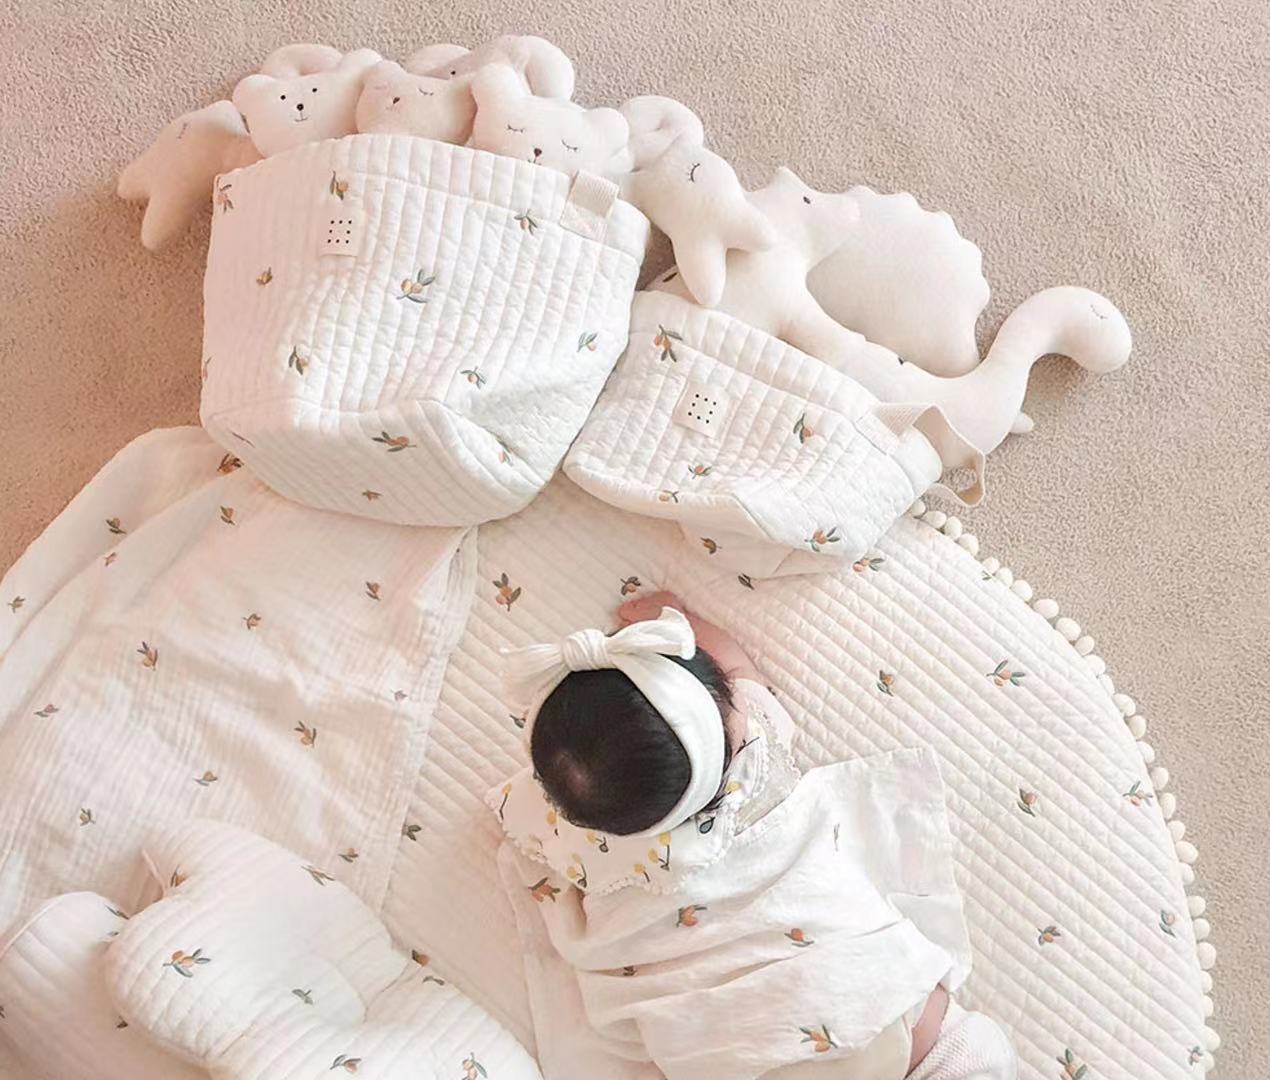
[(639, 652)]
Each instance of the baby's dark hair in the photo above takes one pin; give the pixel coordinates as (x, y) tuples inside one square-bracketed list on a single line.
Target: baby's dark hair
[(606, 758)]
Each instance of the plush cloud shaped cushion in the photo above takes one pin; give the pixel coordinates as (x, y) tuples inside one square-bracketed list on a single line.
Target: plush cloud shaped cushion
[(395, 102), (303, 93), (254, 965), (543, 131)]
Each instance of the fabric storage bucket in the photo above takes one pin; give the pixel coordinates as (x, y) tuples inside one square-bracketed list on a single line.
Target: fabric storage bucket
[(772, 461), (411, 330)]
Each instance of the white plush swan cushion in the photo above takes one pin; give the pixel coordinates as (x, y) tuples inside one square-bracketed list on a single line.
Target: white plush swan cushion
[(255, 965)]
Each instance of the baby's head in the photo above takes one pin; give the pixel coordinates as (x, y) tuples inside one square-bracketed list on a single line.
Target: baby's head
[(607, 759)]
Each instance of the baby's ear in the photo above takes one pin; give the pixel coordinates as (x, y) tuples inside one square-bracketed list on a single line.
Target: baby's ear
[(251, 90), (495, 85), (608, 127)]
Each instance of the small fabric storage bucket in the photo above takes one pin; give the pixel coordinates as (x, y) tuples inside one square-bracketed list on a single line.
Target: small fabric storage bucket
[(410, 330), (772, 461)]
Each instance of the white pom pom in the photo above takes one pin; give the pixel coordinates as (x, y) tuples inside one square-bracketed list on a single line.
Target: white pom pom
[(1196, 905), (1069, 628), (1046, 608), (1211, 1040), (1202, 929), (1206, 982), (935, 518), (1186, 851), (917, 509), (1104, 680), (1125, 704), (1137, 726), (1096, 663), (1147, 751), (953, 528), (1021, 589), (1177, 829), (991, 564), (1186, 873), (1006, 576), (1084, 644), (1159, 778), (970, 542)]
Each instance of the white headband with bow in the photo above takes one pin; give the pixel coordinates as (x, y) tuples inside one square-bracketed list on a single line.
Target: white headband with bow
[(639, 652)]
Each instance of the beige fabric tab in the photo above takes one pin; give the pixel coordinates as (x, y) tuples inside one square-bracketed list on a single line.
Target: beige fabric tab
[(587, 210)]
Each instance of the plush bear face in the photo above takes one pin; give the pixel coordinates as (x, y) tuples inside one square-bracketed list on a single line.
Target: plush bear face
[(544, 131), (287, 110), (394, 102)]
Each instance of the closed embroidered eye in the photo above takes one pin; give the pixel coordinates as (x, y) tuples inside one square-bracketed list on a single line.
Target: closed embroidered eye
[(518, 131), (571, 149), (425, 93), (692, 173)]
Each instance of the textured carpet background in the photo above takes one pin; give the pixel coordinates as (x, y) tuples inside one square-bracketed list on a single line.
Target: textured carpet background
[(1121, 146)]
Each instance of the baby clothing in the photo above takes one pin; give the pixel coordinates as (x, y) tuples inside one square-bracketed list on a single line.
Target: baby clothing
[(795, 923)]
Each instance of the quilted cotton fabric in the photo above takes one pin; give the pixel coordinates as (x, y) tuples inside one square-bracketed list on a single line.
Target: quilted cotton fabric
[(783, 463), (1083, 947), (411, 331)]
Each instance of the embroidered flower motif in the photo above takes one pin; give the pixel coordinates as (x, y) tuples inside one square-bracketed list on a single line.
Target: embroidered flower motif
[(1027, 801), (822, 539), (745, 580), (688, 915), (1137, 795), (518, 721), (308, 735), (800, 939), (411, 831), (820, 1038), (299, 364), (395, 443), (866, 563), (474, 377), (504, 452), (630, 585), (803, 430), (228, 463), (586, 340), (202, 371), (15, 605), (349, 855), (596, 839), (207, 779), (320, 876), (553, 819), (472, 1069), (47, 711), (371, 496), (665, 340), (419, 958), (1194, 1055), (222, 197), (1002, 675), (265, 276), (628, 971), (711, 546), (113, 525), (507, 790), (412, 289), (1048, 935), (1073, 1069), (577, 872), (399, 695), (506, 594), (526, 222), (886, 679), (695, 472), (338, 187), (543, 890), (86, 817), (836, 830), (304, 995), (642, 870), (1167, 921), (177, 879), (348, 1064), (149, 656), (661, 858), (252, 621), (184, 963), (667, 496), (110, 558), (227, 515), (372, 589)]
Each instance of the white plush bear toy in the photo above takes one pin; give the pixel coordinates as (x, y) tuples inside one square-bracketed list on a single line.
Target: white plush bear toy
[(303, 94), (544, 131), (395, 102)]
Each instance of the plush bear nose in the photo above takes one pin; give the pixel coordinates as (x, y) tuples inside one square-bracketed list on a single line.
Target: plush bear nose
[(299, 107), (537, 151)]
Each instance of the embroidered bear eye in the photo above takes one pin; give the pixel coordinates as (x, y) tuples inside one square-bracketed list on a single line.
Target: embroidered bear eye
[(284, 97), (692, 173), (518, 131), (807, 199), (425, 93), (395, 100), (571, 149), (314, 90)]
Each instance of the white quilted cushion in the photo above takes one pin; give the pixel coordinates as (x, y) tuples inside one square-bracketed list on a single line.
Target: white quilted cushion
[(411, 330), (780, 463)]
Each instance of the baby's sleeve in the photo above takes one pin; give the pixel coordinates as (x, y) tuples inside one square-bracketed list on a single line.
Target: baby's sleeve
[(760, 704)]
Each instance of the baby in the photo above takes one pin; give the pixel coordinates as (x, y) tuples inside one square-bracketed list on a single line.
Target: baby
[(729, 916)]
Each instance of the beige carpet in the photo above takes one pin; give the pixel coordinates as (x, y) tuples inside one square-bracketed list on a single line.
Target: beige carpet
[(1122, 146)]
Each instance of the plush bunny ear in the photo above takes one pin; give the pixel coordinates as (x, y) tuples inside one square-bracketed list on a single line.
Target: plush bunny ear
[(435, 60), (609, 128), (359, 60), (495, 84), (300, 59), (383, 72), (657, 122), (547, 70)]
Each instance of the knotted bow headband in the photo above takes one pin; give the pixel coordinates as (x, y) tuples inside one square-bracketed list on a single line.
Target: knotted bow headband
[(640, 652)]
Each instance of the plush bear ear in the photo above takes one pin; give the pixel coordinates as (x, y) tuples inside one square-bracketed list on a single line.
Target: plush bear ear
[(608, 127), (495, 85), (302, 59), (383, 73), (435, 60), (359, 60), (251, 90), (547, 70)]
